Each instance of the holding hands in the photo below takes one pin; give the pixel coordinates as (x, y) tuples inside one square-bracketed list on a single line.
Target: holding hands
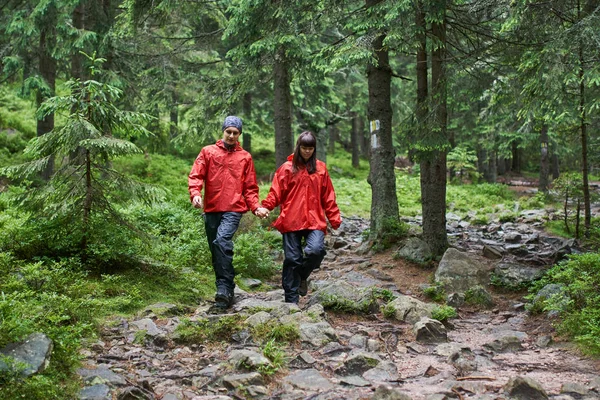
[(261, 212), (198, 202)]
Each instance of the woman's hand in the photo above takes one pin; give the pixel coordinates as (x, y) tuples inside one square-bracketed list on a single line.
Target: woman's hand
[(198, 202)]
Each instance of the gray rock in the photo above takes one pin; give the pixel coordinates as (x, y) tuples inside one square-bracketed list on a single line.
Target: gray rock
[(492, 252), (303, 360), (344, 296), (464, 361), (251, 282), (358, 363), (429, 330), (386, 393), (415, 250), (514, 274), (410, 309), (333, 349), (543, 341), (101, 375), (354, 380), (506, 342), (317, 334), (248, 359), (261, 317), (455, 300), (95, 392), (146, 324), (458, 272), (524, 388), (574, 388), (309, 379), (243, 380), (33, 353)]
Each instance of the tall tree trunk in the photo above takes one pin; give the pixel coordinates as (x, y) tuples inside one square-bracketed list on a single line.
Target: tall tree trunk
[(47, 68), (322, 137), (76, 57), (382, 178), (501, 164), (516, 157), (493, 167), (247, 108), (87, 206), (422, 110), (333, 138), (587, 219), (365, 147), (544, 160), (284, 142), (173, 115), (354, 139), (433, 167), (555, 165)]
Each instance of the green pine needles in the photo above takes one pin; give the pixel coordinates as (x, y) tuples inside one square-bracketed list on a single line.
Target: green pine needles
[(70, 182)]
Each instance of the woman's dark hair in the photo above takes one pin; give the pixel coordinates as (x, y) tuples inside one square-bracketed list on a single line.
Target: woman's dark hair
[(306, 139)]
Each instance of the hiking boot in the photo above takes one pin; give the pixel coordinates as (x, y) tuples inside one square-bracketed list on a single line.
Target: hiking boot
[(303, 289), (223, 298)]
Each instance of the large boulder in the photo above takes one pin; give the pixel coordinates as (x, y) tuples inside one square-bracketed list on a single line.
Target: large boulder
[(409, 309), (458, 272), (33, 354)]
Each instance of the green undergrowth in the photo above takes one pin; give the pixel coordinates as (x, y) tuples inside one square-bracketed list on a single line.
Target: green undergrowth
[(578, 304)]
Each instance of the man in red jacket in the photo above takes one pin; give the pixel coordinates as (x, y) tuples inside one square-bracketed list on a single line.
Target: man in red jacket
[(226, 172)]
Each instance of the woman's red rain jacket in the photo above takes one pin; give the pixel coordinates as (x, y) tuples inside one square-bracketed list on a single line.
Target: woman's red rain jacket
[(305, 199), (228, 178)]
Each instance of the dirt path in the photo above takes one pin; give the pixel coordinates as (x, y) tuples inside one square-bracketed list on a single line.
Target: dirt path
[(483, 351)]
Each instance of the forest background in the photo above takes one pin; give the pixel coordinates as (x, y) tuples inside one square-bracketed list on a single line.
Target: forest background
[(420, 108)]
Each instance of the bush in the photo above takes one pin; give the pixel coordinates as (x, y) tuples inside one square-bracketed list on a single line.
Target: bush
[(252, 257), (579, 275), (443, 313)]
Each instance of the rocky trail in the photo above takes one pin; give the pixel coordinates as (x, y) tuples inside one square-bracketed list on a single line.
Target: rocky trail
[(495, 352)]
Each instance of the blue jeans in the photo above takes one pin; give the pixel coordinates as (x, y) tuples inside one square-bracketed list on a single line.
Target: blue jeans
[(220, 228), (299, 262)]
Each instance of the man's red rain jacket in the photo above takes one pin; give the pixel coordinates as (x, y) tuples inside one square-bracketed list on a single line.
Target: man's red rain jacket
[(228, 178), (305, 199)]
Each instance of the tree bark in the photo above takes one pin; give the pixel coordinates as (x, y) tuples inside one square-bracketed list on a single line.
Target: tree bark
[(284, 143), (544, 160), (382, 178), (433, 166), (47, 69), (247, 136), (354, 139), (76, 57), (333, 138), (587, 219), (173, 115), (516, 157)]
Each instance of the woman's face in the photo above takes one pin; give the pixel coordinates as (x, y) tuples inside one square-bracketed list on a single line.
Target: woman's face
[(306, 152), (231, 135)]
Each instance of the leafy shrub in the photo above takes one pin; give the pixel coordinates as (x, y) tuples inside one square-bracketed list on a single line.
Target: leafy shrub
[(252, 257), (435, 293), (443, 313), (276, 355), (580, 316)]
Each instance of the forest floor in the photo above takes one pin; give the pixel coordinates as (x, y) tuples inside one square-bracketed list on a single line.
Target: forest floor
[(167, 370)]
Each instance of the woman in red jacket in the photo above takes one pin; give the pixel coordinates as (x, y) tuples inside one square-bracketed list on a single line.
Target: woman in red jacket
[(303, 189)]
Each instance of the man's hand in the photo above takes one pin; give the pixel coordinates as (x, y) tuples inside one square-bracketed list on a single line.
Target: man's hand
[(198, 202), (261, 212)]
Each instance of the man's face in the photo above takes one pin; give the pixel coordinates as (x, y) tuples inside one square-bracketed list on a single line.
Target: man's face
[(231, 135)]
